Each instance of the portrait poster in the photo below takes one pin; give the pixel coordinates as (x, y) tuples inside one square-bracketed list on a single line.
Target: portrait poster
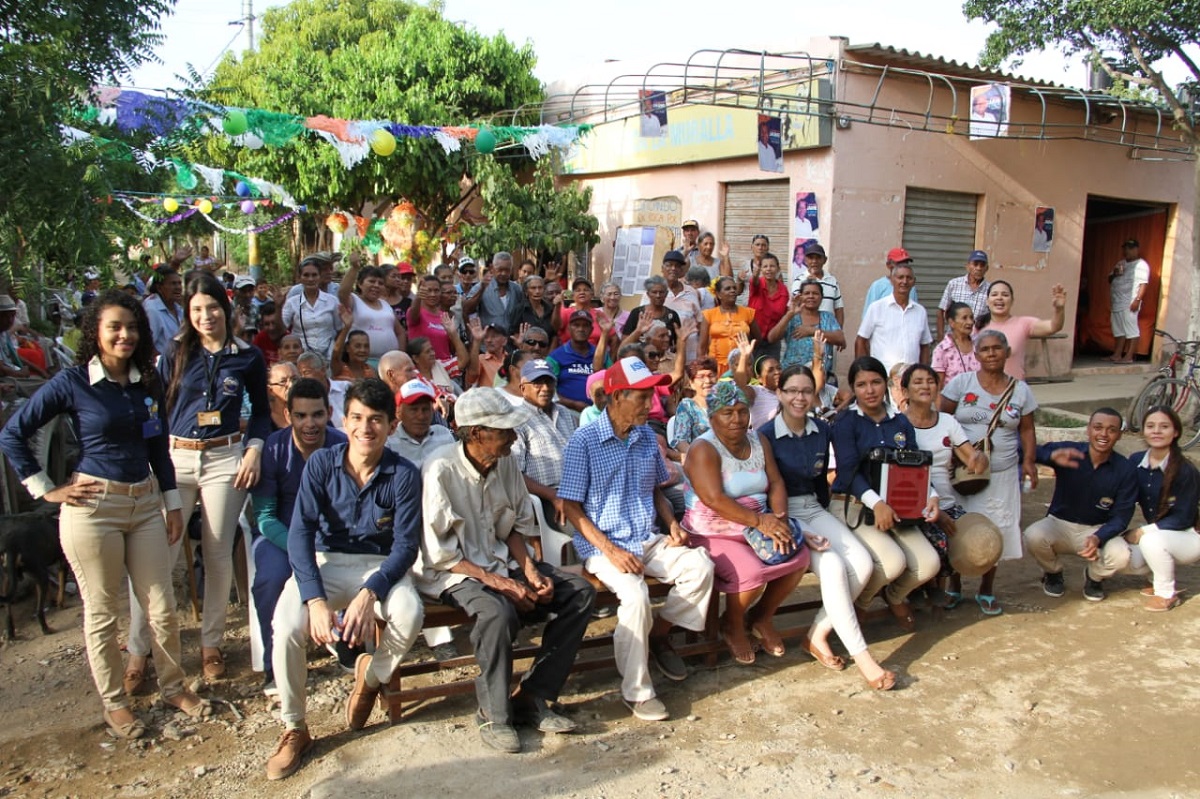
[(990, 105), (770, 143), (653, 115), (798, 266), (1043, 229), (805, 220)]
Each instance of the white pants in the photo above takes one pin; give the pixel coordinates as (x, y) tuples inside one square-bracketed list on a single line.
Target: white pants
[(208, 477), (1050, 537), (342, 575), (691, 574), (842, 570), (1157, 553)]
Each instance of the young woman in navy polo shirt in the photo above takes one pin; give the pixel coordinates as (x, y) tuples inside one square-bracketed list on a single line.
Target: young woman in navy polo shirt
[(111, 522), (1168, 491), (904, 559), (800, 444), (216, 462)]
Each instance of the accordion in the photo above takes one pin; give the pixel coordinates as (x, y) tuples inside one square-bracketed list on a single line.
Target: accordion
[(901, 477)]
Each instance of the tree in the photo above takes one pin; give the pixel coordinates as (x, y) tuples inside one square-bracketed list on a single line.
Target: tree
[(533, 216), (1141, 33), (50, 57), (372, 59)]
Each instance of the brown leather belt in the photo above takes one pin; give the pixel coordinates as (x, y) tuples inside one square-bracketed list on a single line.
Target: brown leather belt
[(119, 489), (202, 444)]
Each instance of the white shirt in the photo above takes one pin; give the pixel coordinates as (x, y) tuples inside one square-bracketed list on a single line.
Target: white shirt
[(1124, 285), (416, 451), (830, 290), (317, 323), (896, 332)]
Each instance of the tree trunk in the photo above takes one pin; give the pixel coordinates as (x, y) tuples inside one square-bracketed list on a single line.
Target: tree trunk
[(1193, 333)]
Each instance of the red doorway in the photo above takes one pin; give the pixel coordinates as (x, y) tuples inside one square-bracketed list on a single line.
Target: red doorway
[(1109, 222)]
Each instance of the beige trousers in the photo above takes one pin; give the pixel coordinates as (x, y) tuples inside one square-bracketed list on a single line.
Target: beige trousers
[(104, 542), (1050, 537)]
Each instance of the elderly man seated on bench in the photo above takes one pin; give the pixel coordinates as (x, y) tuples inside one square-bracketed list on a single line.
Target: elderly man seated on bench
[(611, 472), (473, 556)]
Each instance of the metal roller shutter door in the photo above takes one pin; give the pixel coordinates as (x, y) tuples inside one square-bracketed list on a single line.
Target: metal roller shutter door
[(939, 233), (759, 206)]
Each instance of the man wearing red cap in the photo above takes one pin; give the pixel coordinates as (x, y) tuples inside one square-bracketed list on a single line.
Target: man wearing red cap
[(883, 286), (626, 529)]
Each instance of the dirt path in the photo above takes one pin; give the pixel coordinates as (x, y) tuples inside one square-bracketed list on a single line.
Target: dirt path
[(1054, 698)]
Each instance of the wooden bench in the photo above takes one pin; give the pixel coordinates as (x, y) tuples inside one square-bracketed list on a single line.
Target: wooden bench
[(706, 643)]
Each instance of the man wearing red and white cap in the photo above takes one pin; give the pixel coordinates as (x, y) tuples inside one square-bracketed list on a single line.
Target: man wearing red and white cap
[(417, 436), (883, 286), (626, 529)]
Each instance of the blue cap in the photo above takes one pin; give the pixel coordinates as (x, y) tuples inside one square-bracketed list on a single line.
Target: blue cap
[(536, 369), (977, 255)]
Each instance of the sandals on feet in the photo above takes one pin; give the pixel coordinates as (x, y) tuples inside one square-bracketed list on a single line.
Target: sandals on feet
[(130, 730), (884, 682), (989, 605), (831, 662), (904, 617), (202, 709), (953, 598), (775, 650), (214, 666), (741, 653), (133, 682)]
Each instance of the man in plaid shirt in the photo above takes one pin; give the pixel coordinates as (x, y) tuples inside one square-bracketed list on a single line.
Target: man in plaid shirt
[(971, 288)]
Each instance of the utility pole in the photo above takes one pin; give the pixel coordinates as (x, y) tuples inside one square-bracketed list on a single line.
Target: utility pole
[(249, 18)]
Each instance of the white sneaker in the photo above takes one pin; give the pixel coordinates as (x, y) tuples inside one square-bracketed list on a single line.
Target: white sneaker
[(651, 709)]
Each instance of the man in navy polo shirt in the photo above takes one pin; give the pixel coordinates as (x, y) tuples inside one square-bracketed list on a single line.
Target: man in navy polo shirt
[(354, 536), (284, 456), (572, 362), (1094, 493)]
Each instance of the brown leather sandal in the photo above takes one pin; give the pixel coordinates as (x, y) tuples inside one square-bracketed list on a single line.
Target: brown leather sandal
[(831, 662), (884, 682), (129, 731), (214, 666), (904, 616), (134, 682)]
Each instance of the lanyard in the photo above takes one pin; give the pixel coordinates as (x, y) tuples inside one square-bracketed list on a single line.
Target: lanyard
[(212, 368)]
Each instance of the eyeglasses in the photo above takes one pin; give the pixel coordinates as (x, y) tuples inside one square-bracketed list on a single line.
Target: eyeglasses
[(792, 393), (287, 381)]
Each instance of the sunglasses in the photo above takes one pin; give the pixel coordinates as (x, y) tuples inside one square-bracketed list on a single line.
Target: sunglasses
[(536, 342), (650, 355)]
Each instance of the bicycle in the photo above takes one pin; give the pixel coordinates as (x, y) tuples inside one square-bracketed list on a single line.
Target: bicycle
[(1182, 394)]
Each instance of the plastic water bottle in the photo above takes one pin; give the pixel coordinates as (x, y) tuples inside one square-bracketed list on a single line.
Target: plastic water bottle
[(1026, 484)]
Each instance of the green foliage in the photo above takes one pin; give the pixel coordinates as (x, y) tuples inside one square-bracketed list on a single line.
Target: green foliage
[(533, 216), (1136, 34), (371, 59), (50, 57)]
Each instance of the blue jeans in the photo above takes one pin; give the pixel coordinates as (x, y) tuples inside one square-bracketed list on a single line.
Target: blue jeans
[(271, 571)]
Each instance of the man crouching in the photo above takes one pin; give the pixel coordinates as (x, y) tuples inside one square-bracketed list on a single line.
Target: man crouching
[(473, 556)]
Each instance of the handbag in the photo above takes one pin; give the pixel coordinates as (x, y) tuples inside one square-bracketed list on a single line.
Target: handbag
[(966, 483), (764, 546)]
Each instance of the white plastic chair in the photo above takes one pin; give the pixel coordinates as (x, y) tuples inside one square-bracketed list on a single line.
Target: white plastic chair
[(554, 542)]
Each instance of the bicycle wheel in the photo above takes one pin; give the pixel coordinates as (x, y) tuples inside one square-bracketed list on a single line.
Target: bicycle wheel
[(1159, 391), (1180, 396)]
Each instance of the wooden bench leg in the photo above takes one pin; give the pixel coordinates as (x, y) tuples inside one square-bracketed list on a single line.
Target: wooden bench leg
[(712, 628)]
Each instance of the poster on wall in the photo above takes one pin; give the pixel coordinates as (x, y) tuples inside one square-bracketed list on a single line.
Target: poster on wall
[(633, 258), (653, 113), (990, 105), (770, 143), (1043, 229), (806, 222)]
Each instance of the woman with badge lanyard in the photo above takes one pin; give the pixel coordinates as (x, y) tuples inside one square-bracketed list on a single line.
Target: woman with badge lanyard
[(903, 558), (205, 374), (312, 314), (111, 522)]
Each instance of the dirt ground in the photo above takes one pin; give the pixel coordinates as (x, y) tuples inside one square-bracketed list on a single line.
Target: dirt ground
[(1053, 698)]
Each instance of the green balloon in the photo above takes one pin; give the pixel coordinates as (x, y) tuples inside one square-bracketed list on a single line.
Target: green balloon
[(186, 179), (235, 123), (485, 142)]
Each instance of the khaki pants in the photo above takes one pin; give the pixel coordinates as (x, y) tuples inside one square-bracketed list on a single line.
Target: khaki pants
[(342, 575), (691, 573), (120, 535), (207, 476), (904, 561), (1050, 537)]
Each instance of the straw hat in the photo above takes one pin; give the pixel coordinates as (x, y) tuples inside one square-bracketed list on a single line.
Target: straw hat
[(977, 545)]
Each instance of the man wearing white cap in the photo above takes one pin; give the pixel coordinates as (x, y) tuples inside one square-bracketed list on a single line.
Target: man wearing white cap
[(473, 556), (542, 440), (417, 436), (611, 472)]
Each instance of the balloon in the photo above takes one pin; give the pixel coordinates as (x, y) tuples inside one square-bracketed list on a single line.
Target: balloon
[(186, 179), (235, 122), (170, 205), (383, 143), (485, 142), (252, 141), (247, 206), (242, 189), (205, 206)]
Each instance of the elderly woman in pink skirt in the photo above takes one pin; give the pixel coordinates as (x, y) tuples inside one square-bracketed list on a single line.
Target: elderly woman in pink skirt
[(733, 484)]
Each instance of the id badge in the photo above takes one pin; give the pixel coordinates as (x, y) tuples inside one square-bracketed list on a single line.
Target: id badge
[(208, 418), (152, 428)]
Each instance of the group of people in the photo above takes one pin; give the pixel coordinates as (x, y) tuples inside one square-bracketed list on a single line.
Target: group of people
[(709, 448)]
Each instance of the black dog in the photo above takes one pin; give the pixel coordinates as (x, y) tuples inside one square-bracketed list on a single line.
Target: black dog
[(29, 544)]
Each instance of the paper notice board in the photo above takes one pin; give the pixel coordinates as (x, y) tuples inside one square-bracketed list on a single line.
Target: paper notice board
[(637, 256)]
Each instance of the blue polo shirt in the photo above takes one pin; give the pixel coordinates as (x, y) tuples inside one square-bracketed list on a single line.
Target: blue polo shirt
[(855, 435), (572, 371), (1182, 500), (1087, 494), (614, 480), (107, 419), (334, 515), (215, 382), (803, 459), (277, 487)]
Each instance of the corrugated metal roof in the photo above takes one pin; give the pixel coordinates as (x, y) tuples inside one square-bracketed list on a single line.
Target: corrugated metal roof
[(931, 63)]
